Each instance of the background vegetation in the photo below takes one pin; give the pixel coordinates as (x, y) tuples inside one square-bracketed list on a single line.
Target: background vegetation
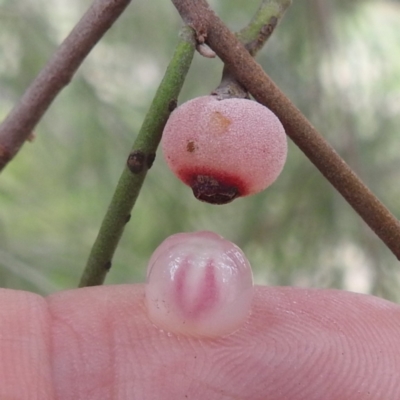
[(338, 61)]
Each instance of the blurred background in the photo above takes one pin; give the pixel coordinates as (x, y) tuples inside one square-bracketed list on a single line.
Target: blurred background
[(339, 62)]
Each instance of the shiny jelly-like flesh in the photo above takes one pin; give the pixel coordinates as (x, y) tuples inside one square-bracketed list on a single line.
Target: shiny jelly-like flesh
[(198, 284)]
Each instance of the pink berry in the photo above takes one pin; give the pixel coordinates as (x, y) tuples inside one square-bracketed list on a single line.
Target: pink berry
[(224, 149), (198, 284)]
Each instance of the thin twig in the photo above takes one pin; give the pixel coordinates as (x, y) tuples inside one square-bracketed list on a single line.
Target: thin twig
[(139, 162), (58, 72), (251, 76), (253, 37), (263, 24)]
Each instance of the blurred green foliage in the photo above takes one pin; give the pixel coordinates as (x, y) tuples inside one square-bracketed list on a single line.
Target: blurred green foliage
[(338, 61)]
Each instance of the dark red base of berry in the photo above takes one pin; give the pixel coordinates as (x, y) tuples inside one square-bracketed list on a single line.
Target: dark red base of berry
[(213, 188)]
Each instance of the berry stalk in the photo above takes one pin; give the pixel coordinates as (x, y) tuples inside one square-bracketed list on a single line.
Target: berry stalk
[(251, 138)]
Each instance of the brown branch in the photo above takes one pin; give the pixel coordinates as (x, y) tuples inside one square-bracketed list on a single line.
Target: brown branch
[(251, 76), (58, 72)]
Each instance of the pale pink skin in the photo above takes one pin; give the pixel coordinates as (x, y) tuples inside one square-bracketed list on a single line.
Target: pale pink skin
[(199, 284), (298, 344), (237, 139)]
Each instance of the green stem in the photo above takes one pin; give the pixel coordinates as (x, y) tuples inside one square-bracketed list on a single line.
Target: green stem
[(139, 161), (253, 37), (264, 22)]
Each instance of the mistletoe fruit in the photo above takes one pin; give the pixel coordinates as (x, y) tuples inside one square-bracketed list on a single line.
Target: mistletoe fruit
[(224, 149), (198, 284)]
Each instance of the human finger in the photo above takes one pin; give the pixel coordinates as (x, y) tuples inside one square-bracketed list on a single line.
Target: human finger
[(25, 358), (297, 344)]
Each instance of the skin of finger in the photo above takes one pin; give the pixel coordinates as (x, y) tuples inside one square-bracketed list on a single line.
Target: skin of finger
[(25, 367), (297, 344)]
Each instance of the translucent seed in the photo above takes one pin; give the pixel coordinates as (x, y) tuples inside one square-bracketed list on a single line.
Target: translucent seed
[(198, 284)]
